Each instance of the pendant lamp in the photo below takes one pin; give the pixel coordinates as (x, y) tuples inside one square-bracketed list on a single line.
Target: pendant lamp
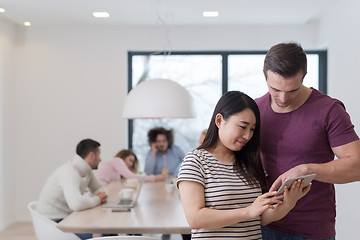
[(158, 98)]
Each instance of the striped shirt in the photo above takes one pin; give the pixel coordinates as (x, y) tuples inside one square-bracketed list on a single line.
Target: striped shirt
[(223, 190)]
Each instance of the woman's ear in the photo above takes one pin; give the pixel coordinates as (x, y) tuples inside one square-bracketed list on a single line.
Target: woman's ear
[(218, 119)]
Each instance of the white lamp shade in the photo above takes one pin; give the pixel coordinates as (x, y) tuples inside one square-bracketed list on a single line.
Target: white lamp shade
[(158, 98)]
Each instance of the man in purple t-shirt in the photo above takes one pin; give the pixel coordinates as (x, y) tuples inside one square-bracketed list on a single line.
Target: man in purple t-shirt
[(302, 130)]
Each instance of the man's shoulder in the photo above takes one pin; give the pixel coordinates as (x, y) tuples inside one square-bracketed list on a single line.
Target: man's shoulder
[(263, 99), (176, 148), (57, 176), (323, 102), (62, 168), (65, 171), (178, 151), (317, 95)]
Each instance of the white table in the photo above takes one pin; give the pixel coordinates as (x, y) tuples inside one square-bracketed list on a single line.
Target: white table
[(157, 212)]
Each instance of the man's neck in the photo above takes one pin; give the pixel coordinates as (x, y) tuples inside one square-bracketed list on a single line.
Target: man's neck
[(304, 94), (163, 152)]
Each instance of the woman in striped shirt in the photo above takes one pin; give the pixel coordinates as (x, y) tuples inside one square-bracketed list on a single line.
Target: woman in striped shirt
[(222, 182)]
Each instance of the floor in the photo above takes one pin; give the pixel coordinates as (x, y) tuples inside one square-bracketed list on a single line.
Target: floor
[(18, 231), (25, 231)]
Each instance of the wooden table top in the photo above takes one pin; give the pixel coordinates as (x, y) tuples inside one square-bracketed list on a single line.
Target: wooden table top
[(157, 212)]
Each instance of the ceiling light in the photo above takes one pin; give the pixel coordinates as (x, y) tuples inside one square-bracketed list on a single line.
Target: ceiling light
[(101, 14), (2, 10), (28, 24), (210, 14)]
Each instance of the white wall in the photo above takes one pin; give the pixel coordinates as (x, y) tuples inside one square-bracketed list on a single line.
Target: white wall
[(7, 170), (70, 83), (338, 29)]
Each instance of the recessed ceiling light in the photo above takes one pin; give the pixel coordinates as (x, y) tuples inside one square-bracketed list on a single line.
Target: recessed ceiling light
[(28, 24), (2, 10), (210, 14), (101, 14)]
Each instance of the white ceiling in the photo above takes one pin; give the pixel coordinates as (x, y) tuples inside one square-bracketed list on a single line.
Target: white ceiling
[(169, 12)]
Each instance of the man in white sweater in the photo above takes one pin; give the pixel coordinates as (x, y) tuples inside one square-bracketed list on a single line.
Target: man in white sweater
[(73, 186)]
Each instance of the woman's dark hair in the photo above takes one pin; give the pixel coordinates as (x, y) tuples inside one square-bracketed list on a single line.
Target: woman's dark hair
[(86, 146), (160, 130), (247, 163), (286, 59), (124, 154)]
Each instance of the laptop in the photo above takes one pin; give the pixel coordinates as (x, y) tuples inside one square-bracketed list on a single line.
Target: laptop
[(124, 203)]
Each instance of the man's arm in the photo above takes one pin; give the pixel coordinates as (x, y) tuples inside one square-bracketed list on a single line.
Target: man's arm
[(98, 189), (95, 185), (71, 185), (345, 169)]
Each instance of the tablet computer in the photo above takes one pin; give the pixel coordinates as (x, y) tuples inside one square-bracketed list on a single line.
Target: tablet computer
[(288, 182)]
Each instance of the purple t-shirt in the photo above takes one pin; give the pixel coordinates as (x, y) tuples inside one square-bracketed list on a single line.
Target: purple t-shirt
[(305, 135)]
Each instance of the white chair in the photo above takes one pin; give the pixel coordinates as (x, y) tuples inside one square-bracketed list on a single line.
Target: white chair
[(125, 238), (45, 229)]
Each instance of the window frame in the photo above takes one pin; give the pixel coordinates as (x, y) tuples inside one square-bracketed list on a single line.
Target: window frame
[(224, 54)]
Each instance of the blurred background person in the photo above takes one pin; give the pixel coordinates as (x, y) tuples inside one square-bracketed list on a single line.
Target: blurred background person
[(202, 136), (73, 186), (163, 157), (125, 164), (201, 140)]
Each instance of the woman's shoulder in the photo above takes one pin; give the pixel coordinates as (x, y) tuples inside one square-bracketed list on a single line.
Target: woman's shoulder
[(199, 155), (195, 152), (114, 162)]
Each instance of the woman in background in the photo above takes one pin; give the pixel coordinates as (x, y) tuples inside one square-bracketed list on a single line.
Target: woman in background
[(202, 136), (125, 164)]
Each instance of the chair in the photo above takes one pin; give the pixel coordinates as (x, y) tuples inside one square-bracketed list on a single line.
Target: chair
[(125, 238), (45, 228)]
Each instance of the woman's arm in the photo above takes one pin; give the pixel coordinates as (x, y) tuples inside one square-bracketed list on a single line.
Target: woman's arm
[(291, 197), (199, 216), (125, 172)]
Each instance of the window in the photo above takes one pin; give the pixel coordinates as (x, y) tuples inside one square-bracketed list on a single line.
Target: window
[(206, 75), (245, 73)]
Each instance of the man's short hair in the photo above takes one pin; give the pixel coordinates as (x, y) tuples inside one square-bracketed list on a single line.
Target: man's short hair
[(152, 134), (86, 146), (286, 59)]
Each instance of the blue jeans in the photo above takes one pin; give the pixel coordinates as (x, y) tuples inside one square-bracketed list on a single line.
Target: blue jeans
[(269, 234), (82, 236)]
